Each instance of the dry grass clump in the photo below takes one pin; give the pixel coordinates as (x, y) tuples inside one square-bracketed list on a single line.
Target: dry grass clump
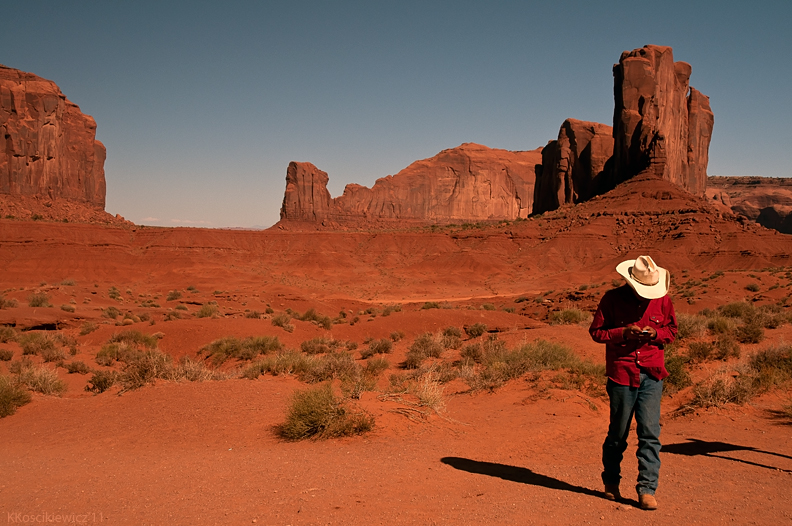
[(101, 381), (397, 336), (135, 338), (283, 320), (451, 338), (111, 312), (67, 308), (765, 370), (208, 310), (391, 309), (87, 328), (6, 355), (7, 303), (253, 314), (426, 345), (570, 316), (249, 348), (312, 316), (39, 299), (475, 330), (382, 346), (77, 367), (678, 375), (318, 413), (40, 379), (430, 305), (691, 326), (12, 396), (320, 345), (7, 334), (289, 362), (37, 343), (173, 295)]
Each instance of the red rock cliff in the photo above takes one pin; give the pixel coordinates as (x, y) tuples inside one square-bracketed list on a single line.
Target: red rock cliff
[(467, 183), (657, 127), (49, 147)]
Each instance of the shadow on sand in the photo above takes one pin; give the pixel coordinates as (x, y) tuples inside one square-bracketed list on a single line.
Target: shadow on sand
[(516, 474), (694, 447)]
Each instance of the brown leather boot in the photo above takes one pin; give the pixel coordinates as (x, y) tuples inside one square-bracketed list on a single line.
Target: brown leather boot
[(612, 492), (647, 502)]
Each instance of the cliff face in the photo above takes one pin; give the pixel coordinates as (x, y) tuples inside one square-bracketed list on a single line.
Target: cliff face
[(657, 127), (766, 200), (574, 165), (467, 183), (47, 146)]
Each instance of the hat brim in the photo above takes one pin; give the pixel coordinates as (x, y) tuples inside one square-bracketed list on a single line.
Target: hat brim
[(650, 292)]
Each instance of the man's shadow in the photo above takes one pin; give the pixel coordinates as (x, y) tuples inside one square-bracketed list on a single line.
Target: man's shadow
[(521, 475), (695, 447)]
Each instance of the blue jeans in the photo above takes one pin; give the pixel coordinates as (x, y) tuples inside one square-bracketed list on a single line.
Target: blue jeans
[(644, 403)]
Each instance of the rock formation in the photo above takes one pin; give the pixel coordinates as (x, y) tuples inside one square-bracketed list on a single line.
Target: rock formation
[(48, 146), (657, 127), (574, 165), (467, 183), (766, 200)]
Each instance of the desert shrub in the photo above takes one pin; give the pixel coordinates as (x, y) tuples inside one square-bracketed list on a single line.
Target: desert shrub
[(289, 362), (67, 308), (700, 350), (7, 334), (134, 338), (7, 303), (319, 345), (471, 354), (12, 396), (430, 305), (488, 306), (39, 299), (749, 333), (6, 355), (173, 295), (111, 312), (101, 381), (752, 287), (397, 336), (53, 354), (475, 330), (739, 309), (283, 320), (339, 365), (383, 346), (208, 310), (114, 293), (42, 380), (36, 343), (144, 368), (390, 309), (570, 316), (253, 314), (424, 346), (721, 388), (690, 326), (181, 307), (77, 367), (726, 347), (376, 365), (117, 352), (429, 391), (229, 347), (318, 413), (87, 328), (314, 317), (194, 371), (719, 324), (772, 366), (173, 315), (678, 375), (451, 338)]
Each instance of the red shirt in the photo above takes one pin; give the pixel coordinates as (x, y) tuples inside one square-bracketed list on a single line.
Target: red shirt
[(626, 359)]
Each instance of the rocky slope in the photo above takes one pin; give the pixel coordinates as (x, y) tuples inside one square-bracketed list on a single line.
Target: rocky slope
[(766, 200), (48, 146)]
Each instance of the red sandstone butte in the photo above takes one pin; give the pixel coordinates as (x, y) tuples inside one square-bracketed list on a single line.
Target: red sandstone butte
[(766, 200), (49, 146), (657, 127), (574, 165), (468, 183)]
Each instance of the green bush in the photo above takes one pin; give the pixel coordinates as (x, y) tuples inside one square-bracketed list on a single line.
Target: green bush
[(318, 413), (12, 396), (678, 375), (475, 330), (101, 381)]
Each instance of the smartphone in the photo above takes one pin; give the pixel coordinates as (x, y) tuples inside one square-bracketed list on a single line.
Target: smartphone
[(646, 331)]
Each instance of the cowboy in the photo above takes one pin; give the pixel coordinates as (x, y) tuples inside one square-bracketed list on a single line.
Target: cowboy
[(634, 321)]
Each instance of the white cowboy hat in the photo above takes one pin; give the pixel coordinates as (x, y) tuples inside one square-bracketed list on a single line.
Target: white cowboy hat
[(645, 277)]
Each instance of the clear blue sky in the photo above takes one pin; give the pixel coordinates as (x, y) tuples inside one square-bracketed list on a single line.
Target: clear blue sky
[(202, 105)]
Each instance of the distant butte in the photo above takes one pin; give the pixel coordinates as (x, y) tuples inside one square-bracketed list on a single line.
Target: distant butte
[(661, 128)]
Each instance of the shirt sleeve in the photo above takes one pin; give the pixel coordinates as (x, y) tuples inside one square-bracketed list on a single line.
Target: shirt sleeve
[(601, 330), (668, 331)]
